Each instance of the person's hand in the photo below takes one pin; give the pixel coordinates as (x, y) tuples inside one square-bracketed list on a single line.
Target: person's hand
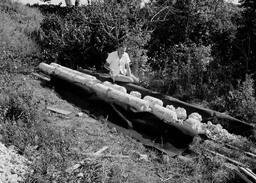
[(106, 66)]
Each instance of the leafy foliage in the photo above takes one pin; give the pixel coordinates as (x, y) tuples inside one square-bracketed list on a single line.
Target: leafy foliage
[(243, 49), (84, 36), (240, 102), (184, 48)]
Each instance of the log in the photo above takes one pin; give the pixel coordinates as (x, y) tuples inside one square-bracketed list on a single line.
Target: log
[(109, 93), (248, 174), (74, 71), (242, 176), (71, 77), (144, 119), (243, 151), (232, 124), (225, 157)]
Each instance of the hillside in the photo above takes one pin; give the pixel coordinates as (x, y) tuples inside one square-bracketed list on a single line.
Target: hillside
[(57, 143)]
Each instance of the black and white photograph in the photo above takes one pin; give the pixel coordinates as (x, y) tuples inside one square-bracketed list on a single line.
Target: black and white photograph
[(127, 91)]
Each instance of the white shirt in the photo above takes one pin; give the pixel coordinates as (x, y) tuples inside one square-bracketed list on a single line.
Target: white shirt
[(116, 64)]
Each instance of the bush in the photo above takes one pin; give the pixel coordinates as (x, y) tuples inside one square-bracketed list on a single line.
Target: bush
[(65, 40), (183, 69), (239, 102), (84, 36), (47, 149), (18, 114)]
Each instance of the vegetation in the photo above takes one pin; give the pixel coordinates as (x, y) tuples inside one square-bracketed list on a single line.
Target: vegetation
[(189, 49), (19, 27)]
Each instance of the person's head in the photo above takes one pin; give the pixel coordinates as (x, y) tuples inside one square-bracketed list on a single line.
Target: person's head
[(121, 49)]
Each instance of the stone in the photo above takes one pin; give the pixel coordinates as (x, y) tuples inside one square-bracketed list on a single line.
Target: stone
[(135, 94), (195, 115), (181, 113), (171, 107), (194, 124)]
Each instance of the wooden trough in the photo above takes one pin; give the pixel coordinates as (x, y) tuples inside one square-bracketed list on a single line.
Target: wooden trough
[(146, 115), (233, 125)]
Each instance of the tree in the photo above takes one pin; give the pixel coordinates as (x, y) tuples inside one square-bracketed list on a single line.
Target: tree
[(247, 35), (77, 2), (185, 28), (121, 21), (84, 36)]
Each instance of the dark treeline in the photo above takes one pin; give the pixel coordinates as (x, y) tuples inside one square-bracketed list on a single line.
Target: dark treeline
[(192, 49)]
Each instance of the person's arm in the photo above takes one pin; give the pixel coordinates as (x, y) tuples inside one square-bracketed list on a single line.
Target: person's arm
[(129, 73), (108, 61), (127, 65)]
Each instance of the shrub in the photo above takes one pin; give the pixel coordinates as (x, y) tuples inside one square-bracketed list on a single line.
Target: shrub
[(84, 36), (183, 69), (239, 102), (65, 40), (21, 126)]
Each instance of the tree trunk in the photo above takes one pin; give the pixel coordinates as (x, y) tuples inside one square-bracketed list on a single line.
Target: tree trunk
[(68, 3)]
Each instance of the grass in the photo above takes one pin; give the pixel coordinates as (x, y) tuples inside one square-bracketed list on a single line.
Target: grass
[(19, 25)]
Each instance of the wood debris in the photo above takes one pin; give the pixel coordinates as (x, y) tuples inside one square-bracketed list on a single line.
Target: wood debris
[(60, 111), (41, 77)]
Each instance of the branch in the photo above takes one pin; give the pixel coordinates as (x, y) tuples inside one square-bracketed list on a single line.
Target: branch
[(159, 12), (129, 123), (108, 33)]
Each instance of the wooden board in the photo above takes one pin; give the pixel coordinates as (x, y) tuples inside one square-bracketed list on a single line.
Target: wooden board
[(60, 111)]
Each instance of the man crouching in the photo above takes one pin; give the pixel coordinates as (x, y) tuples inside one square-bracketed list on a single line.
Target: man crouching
[(118, 63)]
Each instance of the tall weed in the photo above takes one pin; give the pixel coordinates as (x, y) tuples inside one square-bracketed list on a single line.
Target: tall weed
[(18, 27)]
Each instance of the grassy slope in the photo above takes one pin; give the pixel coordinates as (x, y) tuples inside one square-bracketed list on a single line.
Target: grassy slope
[(58, 142), (18, 26)]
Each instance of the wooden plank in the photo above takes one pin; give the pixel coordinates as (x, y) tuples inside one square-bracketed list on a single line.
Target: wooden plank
[(249, 173), (104, 148), (41, 77), (57, 110), (129, 123), (242, 176), (226, 158)]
